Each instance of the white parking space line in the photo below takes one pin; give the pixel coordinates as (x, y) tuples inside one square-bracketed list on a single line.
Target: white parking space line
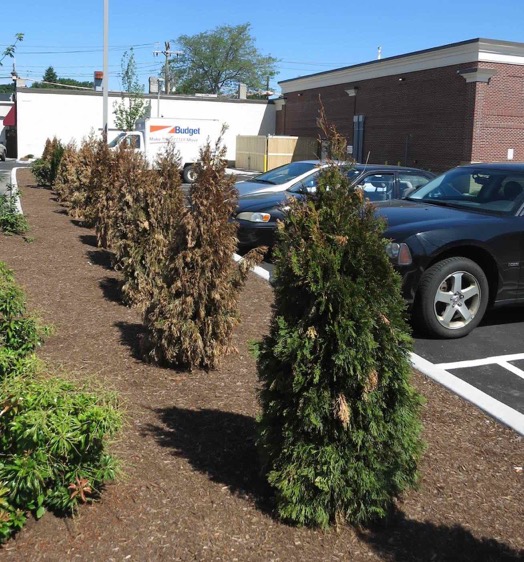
[(9, 179), (260, 271), (502, 360), (491, 406)]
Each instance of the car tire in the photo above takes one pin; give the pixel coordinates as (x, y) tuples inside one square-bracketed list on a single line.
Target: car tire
[(189, 174), (452, 298)]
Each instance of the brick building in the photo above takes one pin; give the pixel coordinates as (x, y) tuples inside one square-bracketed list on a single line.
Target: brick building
[(433, 109)]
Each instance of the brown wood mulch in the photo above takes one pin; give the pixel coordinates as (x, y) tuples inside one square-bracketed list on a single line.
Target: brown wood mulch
[(191, 488)]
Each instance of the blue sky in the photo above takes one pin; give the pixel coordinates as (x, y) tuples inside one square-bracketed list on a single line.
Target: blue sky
[(305, 36)]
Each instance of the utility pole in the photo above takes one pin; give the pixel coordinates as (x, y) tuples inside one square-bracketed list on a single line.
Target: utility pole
[(105, 78), (167, 52)]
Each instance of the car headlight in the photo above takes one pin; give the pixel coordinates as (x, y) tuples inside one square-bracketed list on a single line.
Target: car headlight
[(254, 217), (399, 253)]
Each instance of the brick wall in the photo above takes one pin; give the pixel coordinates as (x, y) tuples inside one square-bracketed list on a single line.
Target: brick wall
[(499, 115), (431, 119)]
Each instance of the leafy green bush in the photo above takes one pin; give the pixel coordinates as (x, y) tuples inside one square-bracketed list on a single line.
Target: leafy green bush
[(339, 431), (53, 438), (20, 333), (53, 434), (11, 220)]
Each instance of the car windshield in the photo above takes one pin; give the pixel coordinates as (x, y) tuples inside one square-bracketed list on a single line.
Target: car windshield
[(481, 189), (309, 184), (285, 173), (116, 140)]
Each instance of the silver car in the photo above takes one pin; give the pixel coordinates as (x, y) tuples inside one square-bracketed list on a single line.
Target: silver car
[(303, 172), (3, 152)]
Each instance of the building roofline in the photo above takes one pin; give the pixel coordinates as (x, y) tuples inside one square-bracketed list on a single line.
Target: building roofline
[(462, 51), (153, 97)]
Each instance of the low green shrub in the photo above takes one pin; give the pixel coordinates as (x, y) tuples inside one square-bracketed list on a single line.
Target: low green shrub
[(11, 220), (53, 433), (53, 438), (20, 333)]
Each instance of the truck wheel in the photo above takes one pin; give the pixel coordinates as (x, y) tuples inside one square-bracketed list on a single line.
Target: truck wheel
[(452, 298), (189, 174)]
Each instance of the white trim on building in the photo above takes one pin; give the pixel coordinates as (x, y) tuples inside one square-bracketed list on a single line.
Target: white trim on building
[(475, 50)]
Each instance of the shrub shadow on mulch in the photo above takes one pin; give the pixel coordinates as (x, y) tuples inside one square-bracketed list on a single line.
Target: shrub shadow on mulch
[(88, 239), (131, 335), (112, 290), (103, 258), (405, 540), (218, 444)]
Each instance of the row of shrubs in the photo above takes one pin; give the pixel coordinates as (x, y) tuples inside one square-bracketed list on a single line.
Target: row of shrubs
[(175, 259), (339, 433), (53, 433)]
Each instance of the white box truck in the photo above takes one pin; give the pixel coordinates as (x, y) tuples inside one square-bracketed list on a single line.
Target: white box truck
[(188, 135)]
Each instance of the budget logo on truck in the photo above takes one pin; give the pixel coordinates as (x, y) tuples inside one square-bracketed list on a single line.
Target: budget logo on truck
[(159, 133), (185, 131)]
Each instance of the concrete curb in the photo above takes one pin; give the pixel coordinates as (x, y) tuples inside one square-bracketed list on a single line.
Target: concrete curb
[(15, 186), (496, 409)]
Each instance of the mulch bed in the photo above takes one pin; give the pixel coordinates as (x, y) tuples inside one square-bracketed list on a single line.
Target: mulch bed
[(191, 488)]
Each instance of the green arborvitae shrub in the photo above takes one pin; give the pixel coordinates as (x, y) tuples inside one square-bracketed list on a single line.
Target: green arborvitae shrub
[(156, 205), (339, 432), (194, 309), (46, 167), (11, 220)]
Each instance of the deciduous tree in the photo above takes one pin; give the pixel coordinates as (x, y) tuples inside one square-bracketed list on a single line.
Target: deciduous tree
[(133, 105), (216, 61)]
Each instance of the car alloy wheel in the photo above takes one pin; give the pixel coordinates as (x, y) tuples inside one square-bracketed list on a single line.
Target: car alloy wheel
[(453, 297)]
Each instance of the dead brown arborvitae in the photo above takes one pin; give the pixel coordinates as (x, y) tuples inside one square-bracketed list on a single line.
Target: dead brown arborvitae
[(157, 204), (66, 177), (100, 198), (192, 314), (77, 194)]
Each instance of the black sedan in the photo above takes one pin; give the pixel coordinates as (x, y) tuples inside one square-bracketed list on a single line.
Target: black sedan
[(458, 243), (257, 214)]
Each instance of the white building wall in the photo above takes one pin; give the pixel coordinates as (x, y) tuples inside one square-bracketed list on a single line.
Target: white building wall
[(71, 116)]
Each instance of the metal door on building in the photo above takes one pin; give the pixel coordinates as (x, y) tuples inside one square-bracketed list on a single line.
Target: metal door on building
[(358, 137), (10, 142)]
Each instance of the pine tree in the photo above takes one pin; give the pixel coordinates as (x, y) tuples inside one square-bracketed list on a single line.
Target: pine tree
[(194, 310), (339, 432)]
